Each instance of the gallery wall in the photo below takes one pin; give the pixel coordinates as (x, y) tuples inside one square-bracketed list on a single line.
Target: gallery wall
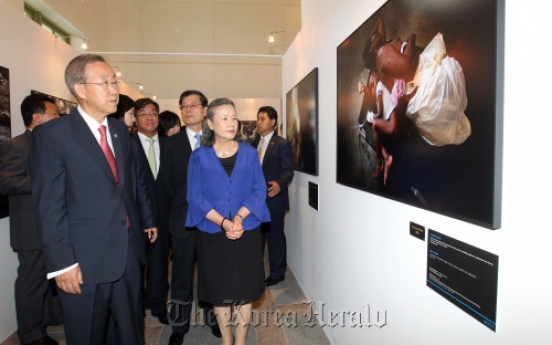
[(36, 60), (357, 250), (208, 30)]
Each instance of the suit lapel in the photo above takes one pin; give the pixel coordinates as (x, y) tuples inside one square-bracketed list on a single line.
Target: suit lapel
[(85, 138), (269, 147)]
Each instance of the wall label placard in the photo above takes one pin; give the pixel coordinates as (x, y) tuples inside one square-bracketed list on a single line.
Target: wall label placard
[(463, 274), (417, 231)]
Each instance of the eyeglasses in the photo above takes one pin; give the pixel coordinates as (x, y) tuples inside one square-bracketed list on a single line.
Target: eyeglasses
[(105, 84), (192, 106), (150, 114)]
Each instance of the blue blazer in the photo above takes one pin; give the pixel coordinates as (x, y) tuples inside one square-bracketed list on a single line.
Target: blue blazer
[(210, 187), (81, 213)]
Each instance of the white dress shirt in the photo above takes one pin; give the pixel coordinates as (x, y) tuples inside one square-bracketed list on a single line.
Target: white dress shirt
[(191, 137)]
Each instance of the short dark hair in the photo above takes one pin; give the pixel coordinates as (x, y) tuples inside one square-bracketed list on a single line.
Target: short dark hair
[(74, 72), (32, 104), (204, 101), (142, 102), (125, 104), (167, 120), (270, 112)]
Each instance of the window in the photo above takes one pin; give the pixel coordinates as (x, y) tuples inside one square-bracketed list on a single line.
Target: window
[(46, 23)]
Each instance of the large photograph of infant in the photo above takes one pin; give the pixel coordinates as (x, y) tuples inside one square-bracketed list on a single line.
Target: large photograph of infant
[(418, 116)]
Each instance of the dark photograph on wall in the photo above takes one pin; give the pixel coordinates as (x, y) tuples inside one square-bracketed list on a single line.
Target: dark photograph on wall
[(419, 107), (5, 125), (248, 131), (302, 123), (64, 107)]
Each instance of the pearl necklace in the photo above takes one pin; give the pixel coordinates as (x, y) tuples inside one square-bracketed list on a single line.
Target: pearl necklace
[(224, 153)]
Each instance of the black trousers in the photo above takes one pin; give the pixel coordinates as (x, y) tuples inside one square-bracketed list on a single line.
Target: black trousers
[(157, 284), (36, 301), (182, 285), (273, 234), (87, 314)]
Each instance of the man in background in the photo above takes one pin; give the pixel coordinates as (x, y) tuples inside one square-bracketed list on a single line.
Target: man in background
[(193, 108), (276, 158), (151, 146), (36, 301)]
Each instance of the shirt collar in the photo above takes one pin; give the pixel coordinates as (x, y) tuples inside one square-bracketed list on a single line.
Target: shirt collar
[(268, 137), (90, 121)]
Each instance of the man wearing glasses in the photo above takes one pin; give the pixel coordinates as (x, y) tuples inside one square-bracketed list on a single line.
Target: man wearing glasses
[(151, 145), (84, 197), (193, 107)]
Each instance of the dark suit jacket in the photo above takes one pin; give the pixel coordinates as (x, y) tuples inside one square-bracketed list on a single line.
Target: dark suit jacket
[(277, 166), (15, 182), (174, 161), (81, 212), (156, 187)]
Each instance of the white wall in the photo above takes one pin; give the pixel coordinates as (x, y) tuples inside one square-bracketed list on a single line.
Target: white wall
[(36, 60), (357, 249)]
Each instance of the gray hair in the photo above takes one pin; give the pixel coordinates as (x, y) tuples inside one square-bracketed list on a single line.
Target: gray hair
[(208, 137), (74, 72)]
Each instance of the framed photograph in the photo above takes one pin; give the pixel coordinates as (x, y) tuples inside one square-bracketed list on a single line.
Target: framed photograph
[(302, 123), (5, 125), (248, 131), (419, 106), (64, 107)]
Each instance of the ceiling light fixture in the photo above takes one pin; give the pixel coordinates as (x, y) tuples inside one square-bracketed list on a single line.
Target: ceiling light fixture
[(153, 96), (118, 74), (272, 38), (84, 44)]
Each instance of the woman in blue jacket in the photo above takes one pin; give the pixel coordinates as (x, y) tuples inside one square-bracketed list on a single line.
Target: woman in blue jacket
[(226, 197)]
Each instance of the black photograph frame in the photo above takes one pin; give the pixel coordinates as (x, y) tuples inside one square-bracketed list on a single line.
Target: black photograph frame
[(64, 107), (461, 180), (302, 123), (5, 126)]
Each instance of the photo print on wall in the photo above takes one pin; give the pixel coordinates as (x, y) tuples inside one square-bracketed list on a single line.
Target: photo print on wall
[(5, 125), (419, 106), (64, 107), (302, 123)]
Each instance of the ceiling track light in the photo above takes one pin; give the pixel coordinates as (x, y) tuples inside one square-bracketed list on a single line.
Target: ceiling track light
[(85, 40), (84, 44), (153, 96), (118, 74), (272, 37), (141, 87)]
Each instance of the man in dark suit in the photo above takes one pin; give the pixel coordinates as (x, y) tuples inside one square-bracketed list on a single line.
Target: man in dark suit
[(276, 158), (84, 193), (35, 302), (150, 146), (193, 107)]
